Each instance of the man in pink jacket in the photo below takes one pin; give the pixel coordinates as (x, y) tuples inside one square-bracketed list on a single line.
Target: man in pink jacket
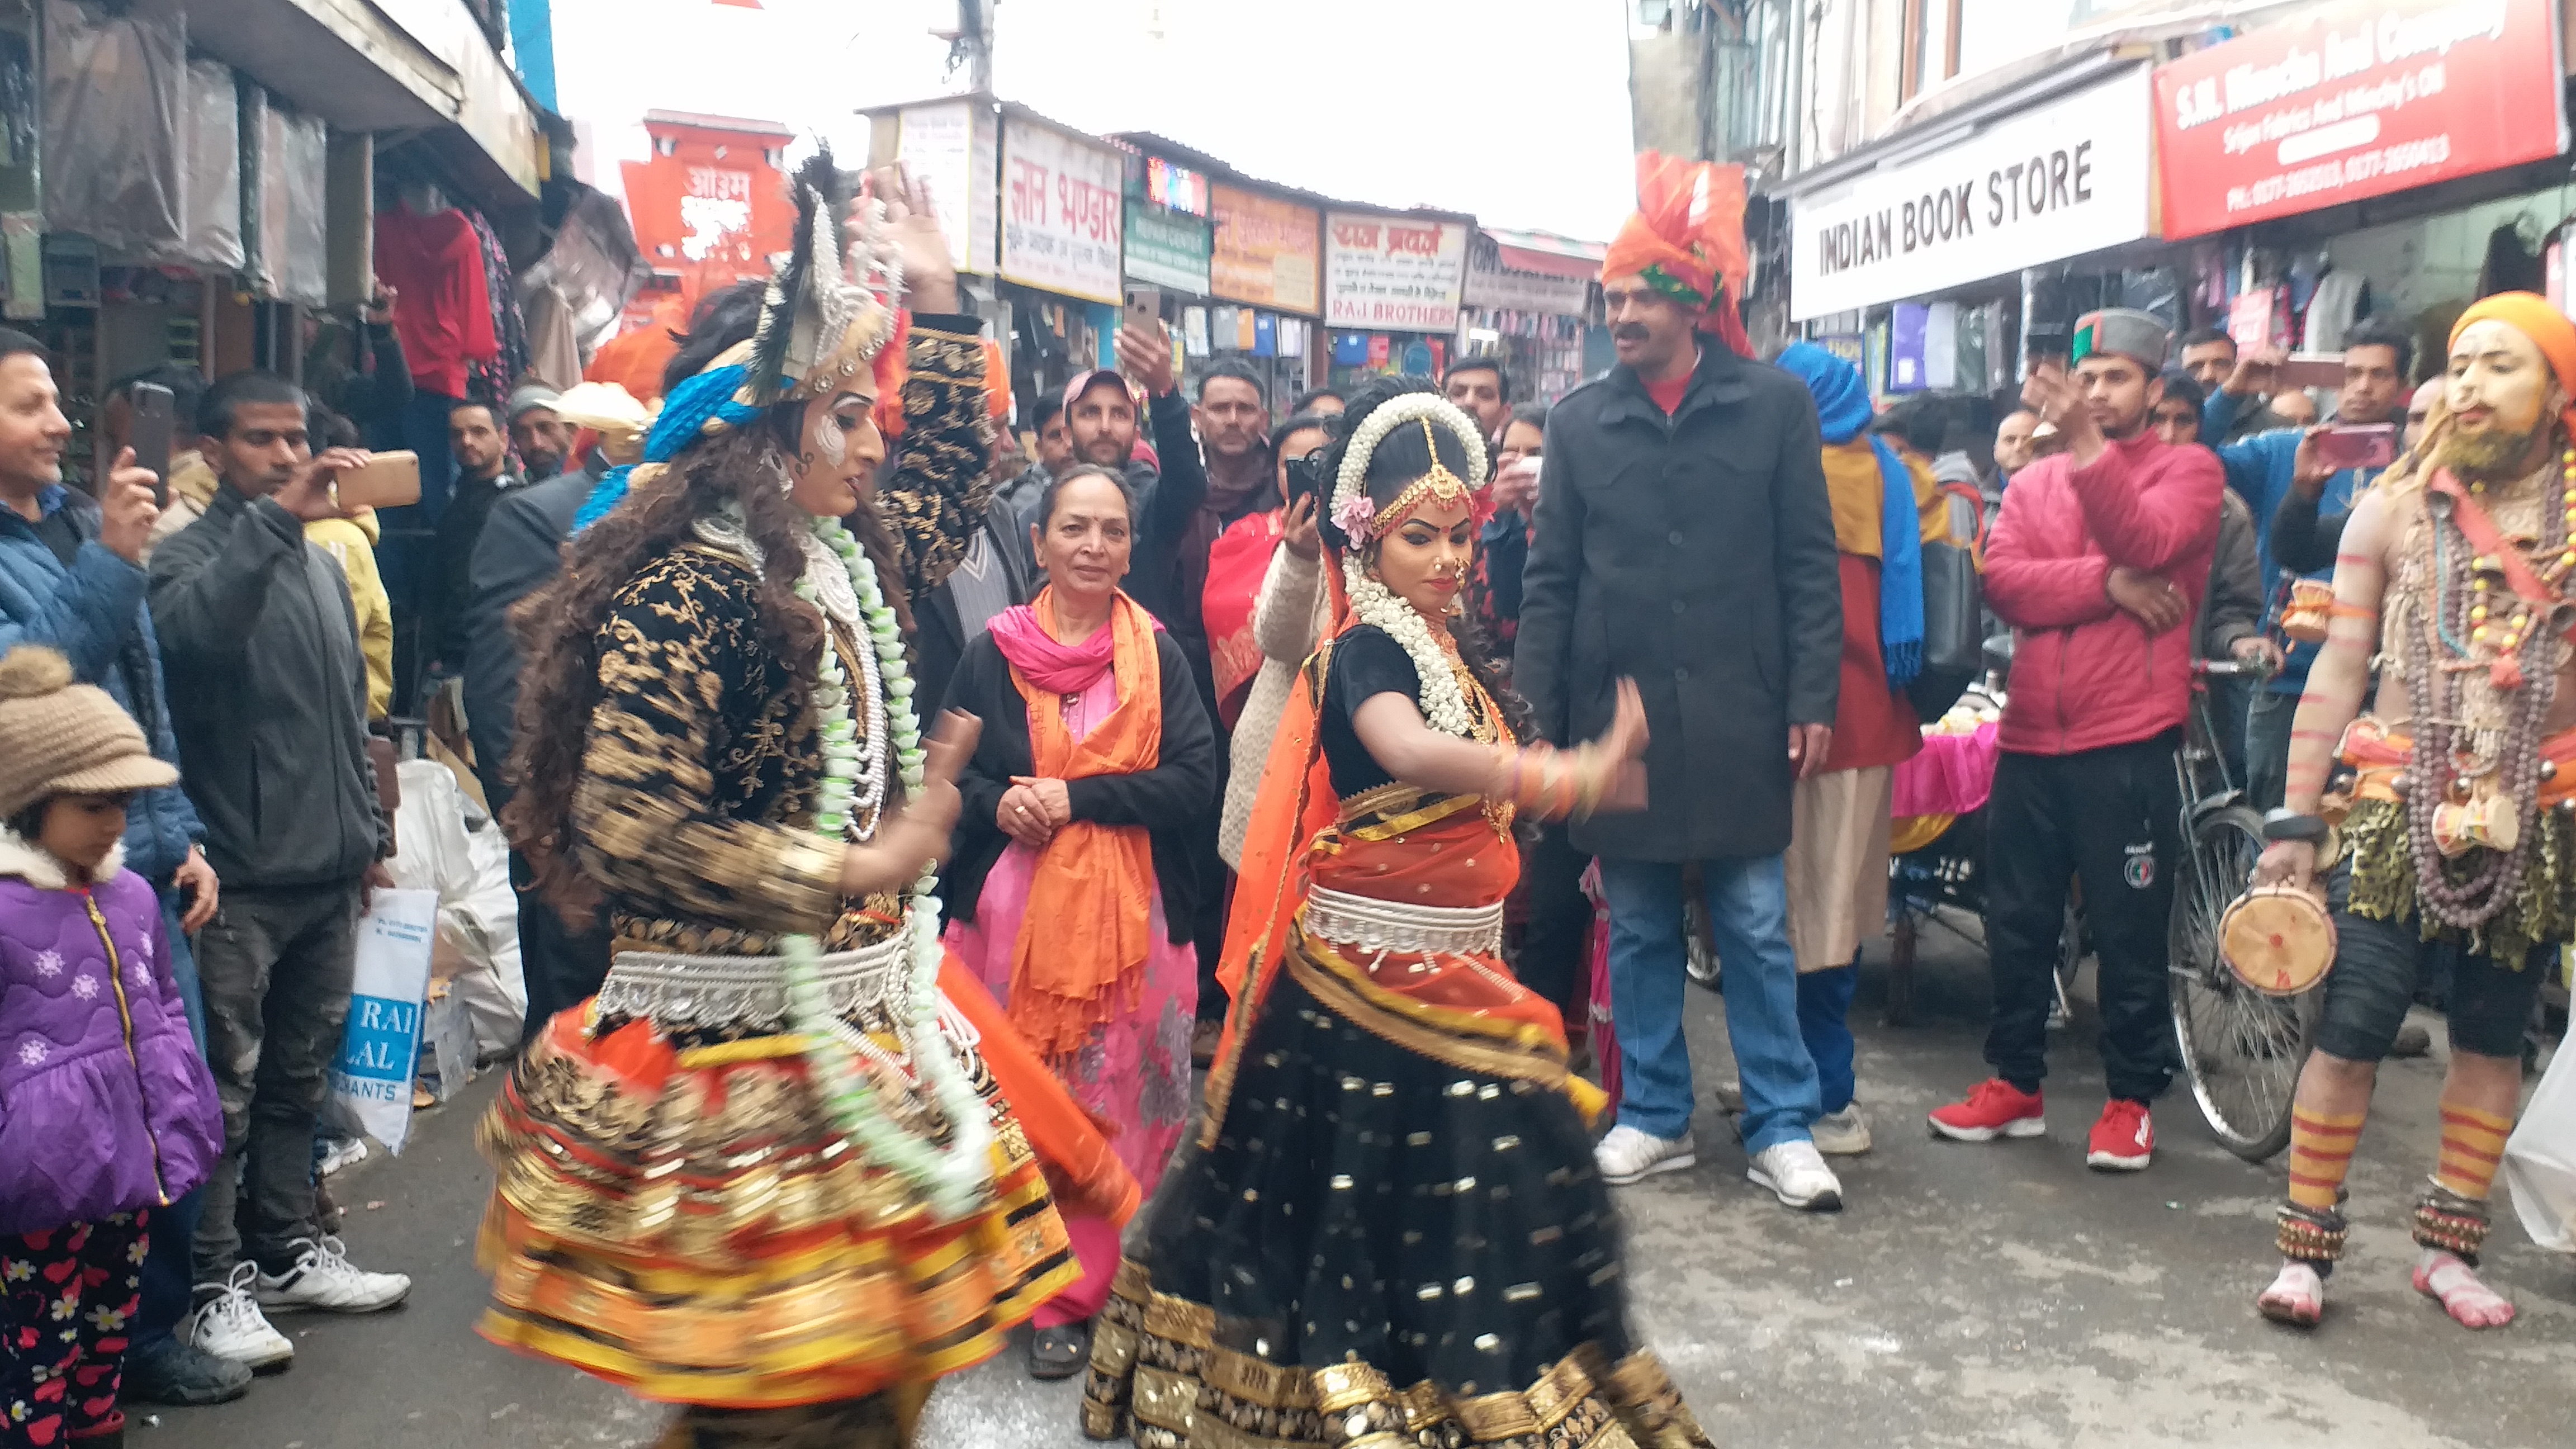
[(2098, 564)]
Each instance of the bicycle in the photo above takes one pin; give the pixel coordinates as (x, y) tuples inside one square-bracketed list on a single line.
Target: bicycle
[(2241, 1049)]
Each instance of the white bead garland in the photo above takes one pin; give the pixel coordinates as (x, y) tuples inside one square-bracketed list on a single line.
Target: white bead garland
[(1444, 705), (954, 1178)]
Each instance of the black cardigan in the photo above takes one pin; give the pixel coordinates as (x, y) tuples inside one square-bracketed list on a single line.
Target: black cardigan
[(1168, 799)]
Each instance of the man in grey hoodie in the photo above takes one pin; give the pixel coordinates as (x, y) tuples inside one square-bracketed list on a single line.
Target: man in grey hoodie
[(267, 690)]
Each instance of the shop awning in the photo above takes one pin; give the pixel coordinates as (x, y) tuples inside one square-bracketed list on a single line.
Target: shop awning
[(398, 65), (1547, 254)]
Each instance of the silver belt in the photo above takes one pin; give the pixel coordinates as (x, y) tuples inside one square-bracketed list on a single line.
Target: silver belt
[(748, 991), (1377, 926)]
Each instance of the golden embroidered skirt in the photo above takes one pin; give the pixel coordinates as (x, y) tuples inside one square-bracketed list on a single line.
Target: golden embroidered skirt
[(1396, 1236), (689, 1223)]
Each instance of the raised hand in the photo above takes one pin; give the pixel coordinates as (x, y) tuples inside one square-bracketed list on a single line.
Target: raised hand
[(929, 268)]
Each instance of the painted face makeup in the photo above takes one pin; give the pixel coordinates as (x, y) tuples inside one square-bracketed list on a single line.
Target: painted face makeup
[(2498, 390), (828, 477), (1424, 559)]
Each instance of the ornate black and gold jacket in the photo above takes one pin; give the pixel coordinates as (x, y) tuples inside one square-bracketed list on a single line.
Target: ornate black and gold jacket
[(694, 809)]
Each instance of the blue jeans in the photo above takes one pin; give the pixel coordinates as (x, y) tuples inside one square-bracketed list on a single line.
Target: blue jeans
[(1748, 905), (166, 1252), (1824, 1006)]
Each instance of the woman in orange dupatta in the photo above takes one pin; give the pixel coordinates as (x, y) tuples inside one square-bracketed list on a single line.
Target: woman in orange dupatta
[(1388, 1227), (1071, 895)]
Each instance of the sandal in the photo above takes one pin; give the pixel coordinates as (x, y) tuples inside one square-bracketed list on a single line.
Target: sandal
[(1060, 1352)]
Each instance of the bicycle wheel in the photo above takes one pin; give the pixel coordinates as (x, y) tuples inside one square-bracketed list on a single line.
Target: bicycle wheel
[(2241, 1049)]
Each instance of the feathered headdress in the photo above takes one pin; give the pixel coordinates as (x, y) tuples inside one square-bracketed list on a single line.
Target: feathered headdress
[(1687, 240), (828, 312), (824, 317)]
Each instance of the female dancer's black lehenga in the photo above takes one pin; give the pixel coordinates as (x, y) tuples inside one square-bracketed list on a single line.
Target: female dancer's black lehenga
[(1390, 1231)]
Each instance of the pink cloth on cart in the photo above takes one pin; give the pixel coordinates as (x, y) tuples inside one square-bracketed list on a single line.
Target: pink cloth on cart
[(1952, 776)]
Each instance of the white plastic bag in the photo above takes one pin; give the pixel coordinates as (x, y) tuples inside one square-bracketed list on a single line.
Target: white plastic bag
[(371, 1078), (2540, 1157), (478, 911)]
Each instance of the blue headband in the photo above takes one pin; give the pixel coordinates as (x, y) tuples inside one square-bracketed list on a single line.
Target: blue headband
[(687, 412)]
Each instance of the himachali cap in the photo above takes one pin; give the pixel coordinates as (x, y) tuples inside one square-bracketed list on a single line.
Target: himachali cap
[(2126, 331)]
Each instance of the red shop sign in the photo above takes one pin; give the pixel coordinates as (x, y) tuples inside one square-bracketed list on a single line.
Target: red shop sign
[(2355, 100)]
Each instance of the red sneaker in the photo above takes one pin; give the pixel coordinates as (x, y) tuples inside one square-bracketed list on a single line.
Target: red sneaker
[(2124, 1140), (1996, 1108)]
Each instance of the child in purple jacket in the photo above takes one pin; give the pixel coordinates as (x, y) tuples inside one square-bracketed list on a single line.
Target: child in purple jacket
[(106, 1111)]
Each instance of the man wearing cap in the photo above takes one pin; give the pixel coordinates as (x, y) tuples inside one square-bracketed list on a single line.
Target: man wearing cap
[(1102, 408), (2452, 840), (538, 434), (2099, 563)]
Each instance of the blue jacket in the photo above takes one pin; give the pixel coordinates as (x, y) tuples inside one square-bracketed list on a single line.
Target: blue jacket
[(2259, 468), (94, 612)]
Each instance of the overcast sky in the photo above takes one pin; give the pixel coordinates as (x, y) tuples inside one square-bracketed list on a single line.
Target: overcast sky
[(1515, 110)]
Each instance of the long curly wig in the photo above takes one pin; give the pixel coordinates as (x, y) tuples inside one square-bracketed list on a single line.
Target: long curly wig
[(558, 626)]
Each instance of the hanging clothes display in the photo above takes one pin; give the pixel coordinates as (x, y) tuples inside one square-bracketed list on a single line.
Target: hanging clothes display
[(443, 306), (501, 295)]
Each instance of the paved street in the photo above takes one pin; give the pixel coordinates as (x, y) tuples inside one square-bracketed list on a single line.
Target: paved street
[(1990, 1296)]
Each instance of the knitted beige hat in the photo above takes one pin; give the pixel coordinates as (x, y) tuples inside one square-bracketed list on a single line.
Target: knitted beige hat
[(61, 738)]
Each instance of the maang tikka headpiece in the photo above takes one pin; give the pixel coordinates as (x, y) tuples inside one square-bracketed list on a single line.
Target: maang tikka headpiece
[(1354, 512)]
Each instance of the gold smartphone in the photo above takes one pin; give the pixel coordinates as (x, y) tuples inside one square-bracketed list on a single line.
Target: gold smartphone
[(390, 480)]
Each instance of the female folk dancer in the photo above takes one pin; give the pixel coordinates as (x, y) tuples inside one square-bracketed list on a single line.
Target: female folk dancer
[(1389, 1224), (2456, 829), (762, 1174)]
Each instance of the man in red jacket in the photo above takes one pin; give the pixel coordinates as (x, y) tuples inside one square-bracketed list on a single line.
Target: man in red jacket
[(2098, 563)]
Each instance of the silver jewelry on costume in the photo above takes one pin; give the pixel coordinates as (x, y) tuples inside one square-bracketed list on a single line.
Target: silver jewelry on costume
[(1376, 927), (677, 992)]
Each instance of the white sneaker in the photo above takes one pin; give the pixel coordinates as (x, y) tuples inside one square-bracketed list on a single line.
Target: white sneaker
[(1798, 1177), (230, 1325), (324, 1278), (344, 1152), (1841, 1134), (1627, 1155)]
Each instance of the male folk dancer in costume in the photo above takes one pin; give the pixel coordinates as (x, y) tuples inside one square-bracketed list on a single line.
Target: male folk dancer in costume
[(765, 1174), (2455, 830), (1390, 1228)]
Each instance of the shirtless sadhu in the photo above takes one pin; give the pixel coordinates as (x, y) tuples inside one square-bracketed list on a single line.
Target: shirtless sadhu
[(2455, 830)]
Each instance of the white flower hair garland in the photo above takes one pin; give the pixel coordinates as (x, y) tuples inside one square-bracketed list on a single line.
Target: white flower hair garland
[(1444, 703)]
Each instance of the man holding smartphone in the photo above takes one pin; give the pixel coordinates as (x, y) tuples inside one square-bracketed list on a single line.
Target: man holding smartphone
[(72, 578), (269, 702), (2267, 468)]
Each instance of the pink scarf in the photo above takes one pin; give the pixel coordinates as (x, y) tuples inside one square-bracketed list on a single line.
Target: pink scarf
[(1051, 666)]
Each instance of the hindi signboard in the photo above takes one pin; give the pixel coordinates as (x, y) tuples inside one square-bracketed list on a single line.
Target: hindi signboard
[(950, 146), (1063, 204), (1264, 250), (1398, 272)]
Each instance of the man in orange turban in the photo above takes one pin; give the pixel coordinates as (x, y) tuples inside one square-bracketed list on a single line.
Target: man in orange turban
[(1686, 242), (2455, 567)]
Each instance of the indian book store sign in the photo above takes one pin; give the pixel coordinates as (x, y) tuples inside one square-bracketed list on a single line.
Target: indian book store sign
[(1397, 272), (1167, 248), (1264, 252), (1063, 200), (2355, 100), (2056, 181)]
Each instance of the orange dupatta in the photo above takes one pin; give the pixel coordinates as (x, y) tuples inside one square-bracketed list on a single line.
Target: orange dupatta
[(1092, 883)]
